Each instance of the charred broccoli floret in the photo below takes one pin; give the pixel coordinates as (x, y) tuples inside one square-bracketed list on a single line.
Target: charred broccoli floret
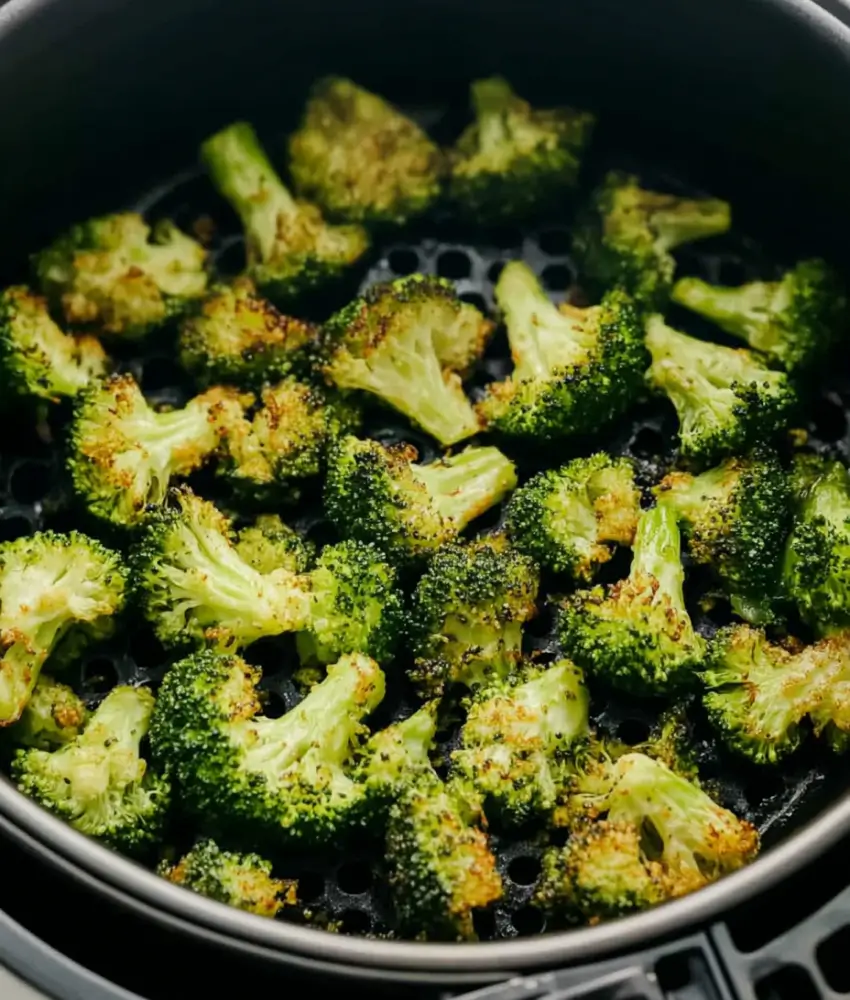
[(727, 400), (360, 158), (269, 544), (98, 782), (636, 634), (54, 715), (399, 343), (289, 247), (241, 880), (625, 236), (36, 358), (283, 780), (381, 494), (117, 275), (50, 585), (575, 370), (795, 321), (515, 160), (736, 518), (570, 519)]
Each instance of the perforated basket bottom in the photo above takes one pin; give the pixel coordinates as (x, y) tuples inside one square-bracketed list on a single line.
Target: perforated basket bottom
[(346, 891)]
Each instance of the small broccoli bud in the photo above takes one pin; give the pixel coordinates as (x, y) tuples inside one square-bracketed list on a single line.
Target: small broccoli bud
[(98, 782), (795, 321), (514, 160), (118, 276), (268, 544), (54, 715), (637, 634), (575, 370), (570, 519), (624, 237), (727, 400), (290, 248)]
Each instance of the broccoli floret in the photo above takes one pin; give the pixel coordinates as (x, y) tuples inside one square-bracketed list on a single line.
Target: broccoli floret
[(624, 237), (575, 370), (238, 337), (36, 358), (122, 453), (360, 158), (389, 343), (50, 583), (570, 519), (468, 612), (269, 544), (736, 518), (381, 494), (816, 568), (98, 782), (636, 634), (759, 692), (283, 780), (54, 715), (795, 321), (515, 160), (516, 736), (289, 247), (671, 741), (241, 880), (726, 400), (119, 276)]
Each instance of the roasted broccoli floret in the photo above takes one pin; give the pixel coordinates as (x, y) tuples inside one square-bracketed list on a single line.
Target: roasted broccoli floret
[(795, 321), (50, 584), (241, 880), (381, 494), (816, 569), (282, 780), (360, 158), (468, 612), (736, 518), (117, 275), (238, 337), (54, 715), (269, 544), (575, 370), (399, 343), (570, 519), (37, 359), (636, 634), (122, 453), (289, 247), (515, 160), (624, 237), (671, 740), (726, 400), (760, 692), (98, 782), (515, 740)]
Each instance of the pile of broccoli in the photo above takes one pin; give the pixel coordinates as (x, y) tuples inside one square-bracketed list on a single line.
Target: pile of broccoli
[(479, 581)]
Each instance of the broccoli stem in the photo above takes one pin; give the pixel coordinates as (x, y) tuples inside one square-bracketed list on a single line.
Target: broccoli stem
[(740, 311), (463, 486), (687, 220), (491, 98), (657, 553)]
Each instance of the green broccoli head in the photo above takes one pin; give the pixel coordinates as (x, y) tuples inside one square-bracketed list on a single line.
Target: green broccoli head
[(570, 519), (361, 159), (468, 611), (381, 494), (117, 275), (238, 337), (122, 454), (290, 248), (401, 343), (268, 544), (51, 584), (624, 237), (54, 715), (241, 880), (281, 780), (671, 741), (37, 359), (726, 400), (516, 737), (99, 783), (515, 160), (736, 518), (636, 634), (795, 321), (575, 370)]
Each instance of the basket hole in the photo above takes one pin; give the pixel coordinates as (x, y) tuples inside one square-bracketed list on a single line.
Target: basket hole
[(14, 526), (403, 261), (355, 922), (555, 242), (524, 870), (160, 373), (828, 420), (506, 239), (145, 649), (647, 443), (557, 277), (484, 923), (832, 959), (99, 675), (633, 731), (791, 982), (30, 481), (311, 886), (474, 299), (354, 878), (528, 921), (273, 705), (494, 270), (454, 264), (764, 786)]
